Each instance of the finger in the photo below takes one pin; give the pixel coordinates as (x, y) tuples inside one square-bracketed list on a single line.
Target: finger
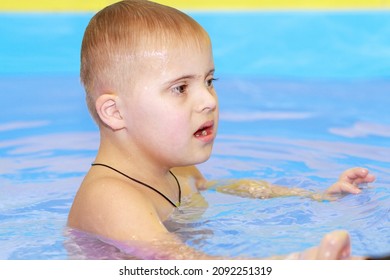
[(309, 254), (361, 180), (335, 246), (354, 173), (343, 187), (368, 179)]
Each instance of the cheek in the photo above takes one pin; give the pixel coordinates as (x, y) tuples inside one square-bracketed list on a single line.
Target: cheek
[(156, 115), (169, 121), (178, 126)]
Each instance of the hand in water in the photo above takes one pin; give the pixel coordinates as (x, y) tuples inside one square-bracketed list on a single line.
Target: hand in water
[(350, 180), (334, 246)]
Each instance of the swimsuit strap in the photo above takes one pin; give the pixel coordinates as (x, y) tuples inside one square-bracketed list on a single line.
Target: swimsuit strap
[(146, 185)]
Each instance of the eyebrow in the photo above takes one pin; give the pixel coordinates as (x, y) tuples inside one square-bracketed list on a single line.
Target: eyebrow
[(189, 77)]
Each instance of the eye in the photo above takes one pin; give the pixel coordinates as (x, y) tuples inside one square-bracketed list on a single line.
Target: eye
[(180, 90), (210, 82)]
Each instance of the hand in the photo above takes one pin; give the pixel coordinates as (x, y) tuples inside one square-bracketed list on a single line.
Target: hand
[(334, 246), (349, 181)]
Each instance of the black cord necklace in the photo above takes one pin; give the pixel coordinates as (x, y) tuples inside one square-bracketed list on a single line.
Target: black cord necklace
[(146, 185)]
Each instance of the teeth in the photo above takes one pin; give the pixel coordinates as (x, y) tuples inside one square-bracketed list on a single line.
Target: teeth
[(203, 133)]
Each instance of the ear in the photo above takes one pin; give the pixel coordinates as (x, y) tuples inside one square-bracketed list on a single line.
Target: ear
[(108, 111)]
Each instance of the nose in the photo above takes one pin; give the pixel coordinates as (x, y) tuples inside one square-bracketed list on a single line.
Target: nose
[(207, 99)]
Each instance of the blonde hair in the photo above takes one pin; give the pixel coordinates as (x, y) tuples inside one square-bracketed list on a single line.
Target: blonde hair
[(118, 33)]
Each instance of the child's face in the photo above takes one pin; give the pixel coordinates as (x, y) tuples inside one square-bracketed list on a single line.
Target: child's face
[(172, 109)]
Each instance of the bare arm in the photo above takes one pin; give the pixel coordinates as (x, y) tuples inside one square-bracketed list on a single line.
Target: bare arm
[(335, 245), (348, 182)]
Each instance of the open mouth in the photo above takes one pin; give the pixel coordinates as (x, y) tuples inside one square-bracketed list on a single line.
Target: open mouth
[(205, 130)]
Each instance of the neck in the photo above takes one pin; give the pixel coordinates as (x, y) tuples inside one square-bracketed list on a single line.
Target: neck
[(124, 154), (138, 165)]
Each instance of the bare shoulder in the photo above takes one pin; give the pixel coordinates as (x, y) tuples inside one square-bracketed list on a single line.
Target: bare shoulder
[(107, 206)]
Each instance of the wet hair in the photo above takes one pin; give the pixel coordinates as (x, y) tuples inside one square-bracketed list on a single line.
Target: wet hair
[(123, 31)]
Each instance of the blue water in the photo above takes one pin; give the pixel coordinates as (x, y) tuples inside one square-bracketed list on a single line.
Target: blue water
[(303, 96)]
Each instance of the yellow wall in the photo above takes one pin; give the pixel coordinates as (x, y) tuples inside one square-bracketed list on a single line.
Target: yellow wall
[(91, 5)]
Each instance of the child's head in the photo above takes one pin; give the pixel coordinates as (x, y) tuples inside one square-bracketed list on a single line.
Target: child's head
[(120, 36)]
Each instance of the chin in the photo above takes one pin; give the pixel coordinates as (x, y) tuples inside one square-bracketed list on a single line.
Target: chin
[(195, 160), (204, 158)]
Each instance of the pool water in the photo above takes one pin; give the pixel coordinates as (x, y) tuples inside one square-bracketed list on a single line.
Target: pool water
[(303, 96)]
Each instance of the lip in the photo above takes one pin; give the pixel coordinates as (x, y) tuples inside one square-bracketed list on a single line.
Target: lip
[(205, 132)]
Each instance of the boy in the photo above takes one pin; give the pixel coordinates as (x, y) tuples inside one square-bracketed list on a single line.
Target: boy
[(148, 72)]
